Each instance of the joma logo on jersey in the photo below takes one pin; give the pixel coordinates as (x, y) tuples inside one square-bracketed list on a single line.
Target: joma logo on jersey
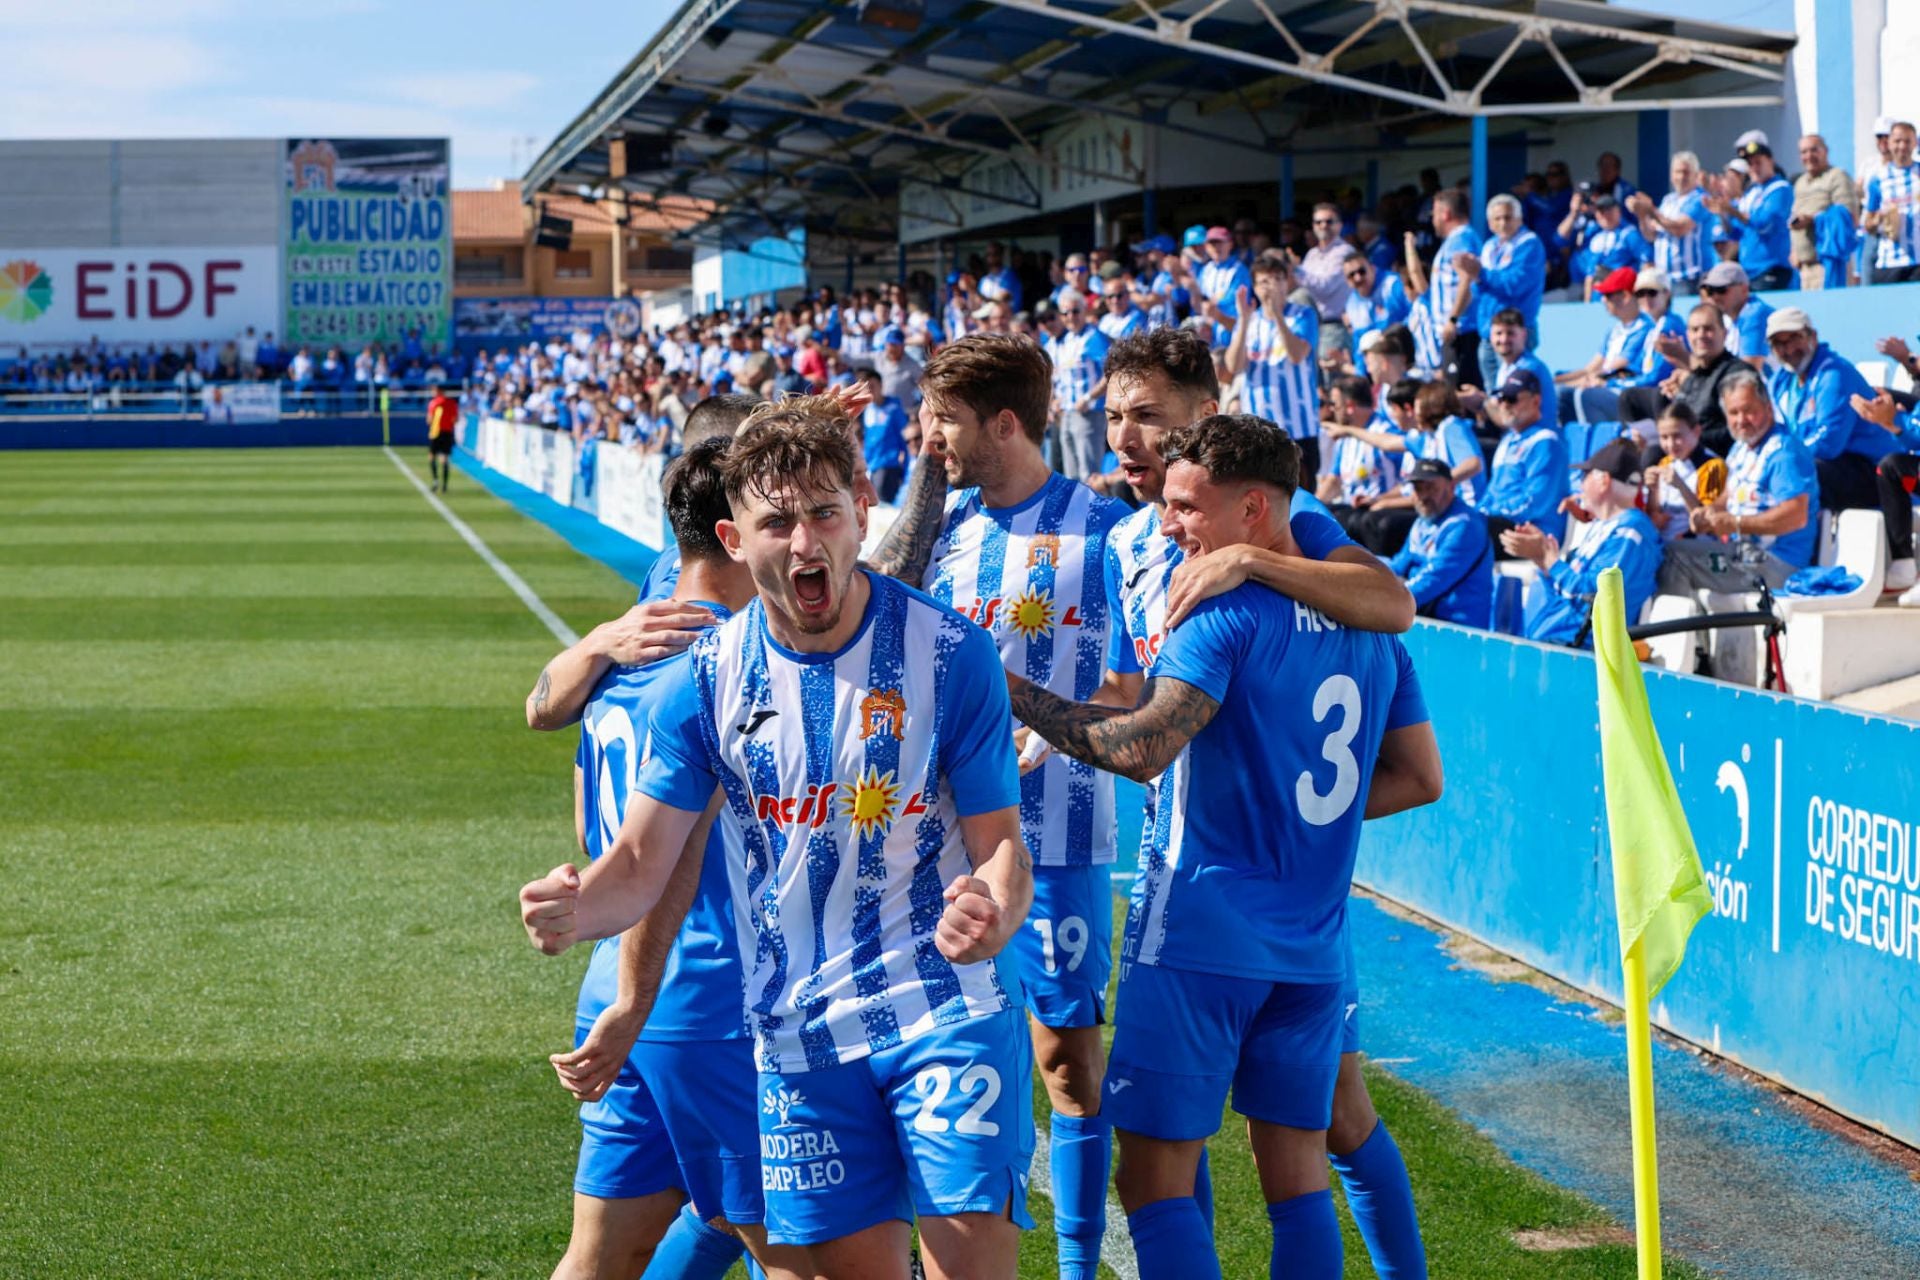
[(1043, 548), (883, 708)]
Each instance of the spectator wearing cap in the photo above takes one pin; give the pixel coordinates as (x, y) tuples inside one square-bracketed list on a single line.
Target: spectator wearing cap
[(1825, 209), (1322, 269), (1760, 216), (1509, 338), (1560, 600), (1451, 291), (1156, 290), (883, 432), (1732, 184), (787, 380), (1763, 525), (1119, 318), (1218, 281), (1419, 421), (1891, 196), (1898, 476), (899, 372), (1592, 393), (1447, 562), (1813, 390), (1728, 288), (1654, 292), (1509, 271), (1702, 363), (1529, 474), (1274, 353), (1882, 149), (1378, 299), (1616, 242), (1679, 225), (1079, 389)]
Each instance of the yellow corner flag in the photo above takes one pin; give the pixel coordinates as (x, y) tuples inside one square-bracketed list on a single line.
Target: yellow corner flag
[(1659, 889)]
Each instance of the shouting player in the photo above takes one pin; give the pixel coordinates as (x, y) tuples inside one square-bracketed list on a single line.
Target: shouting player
[(1234, 961), (1020, 553), (680, 1111), (883, 873)]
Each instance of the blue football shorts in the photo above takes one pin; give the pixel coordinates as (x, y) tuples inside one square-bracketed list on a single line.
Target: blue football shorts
[(624, 1149), (1065, 949), (1184, 1039), (704, 1090), (1350, 1003), (940, 1125)]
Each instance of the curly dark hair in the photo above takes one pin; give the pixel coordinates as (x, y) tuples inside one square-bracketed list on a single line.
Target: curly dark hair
[(1182, 355), (1236, 446), (803, 441)]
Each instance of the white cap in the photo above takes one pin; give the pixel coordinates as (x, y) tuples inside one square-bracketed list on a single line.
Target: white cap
[(1752, 135), (1371, 339), (1652, 278), (1788, 320), (1737, 165), (1883, 125)]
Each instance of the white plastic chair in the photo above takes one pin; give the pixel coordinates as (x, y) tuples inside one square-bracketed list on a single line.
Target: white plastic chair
[(1876, 372), (1674, 652), (1859, 545)]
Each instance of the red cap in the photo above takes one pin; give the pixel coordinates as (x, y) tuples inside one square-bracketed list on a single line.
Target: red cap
[(1619, 280)]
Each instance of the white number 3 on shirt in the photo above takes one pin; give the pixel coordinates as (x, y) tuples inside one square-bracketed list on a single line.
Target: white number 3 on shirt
[(1337, 692)]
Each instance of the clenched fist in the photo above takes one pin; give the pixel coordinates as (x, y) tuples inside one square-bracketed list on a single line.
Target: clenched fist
[(970, 927), (546, 909)]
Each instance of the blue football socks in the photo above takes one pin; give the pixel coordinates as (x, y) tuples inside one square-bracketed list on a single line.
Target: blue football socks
[(1082, 1147), (1172, 1241), (692, 1250), (1203, 1190), (1306, 1238), (1381, 1199)]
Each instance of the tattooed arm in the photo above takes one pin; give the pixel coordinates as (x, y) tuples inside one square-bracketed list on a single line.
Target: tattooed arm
[(1137, 743), (645, 633), (904, 552)]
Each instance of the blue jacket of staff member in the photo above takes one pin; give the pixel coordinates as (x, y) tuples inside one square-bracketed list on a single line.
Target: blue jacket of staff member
[(1817, 405)]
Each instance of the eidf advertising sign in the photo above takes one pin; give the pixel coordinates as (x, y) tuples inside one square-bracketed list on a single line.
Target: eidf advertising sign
[(369, 255), (65, 298)]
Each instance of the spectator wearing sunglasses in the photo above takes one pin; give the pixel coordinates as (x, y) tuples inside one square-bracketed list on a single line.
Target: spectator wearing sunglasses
[(1616, 244), (1592, 393), (1323, 269), (1728, 287), (1119, 317), (1378, 299)]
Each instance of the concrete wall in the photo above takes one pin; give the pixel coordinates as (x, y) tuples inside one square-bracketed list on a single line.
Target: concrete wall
[(153, 193)]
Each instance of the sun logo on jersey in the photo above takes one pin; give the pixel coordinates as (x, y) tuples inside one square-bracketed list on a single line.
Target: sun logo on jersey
[(883, 708), (1031, 613), (871, 803), (1043, 548)]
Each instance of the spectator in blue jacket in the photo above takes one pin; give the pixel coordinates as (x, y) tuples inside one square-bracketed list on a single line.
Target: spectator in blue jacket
[(1529, 475), (1378, 299), (1616, 244), (1813, 391), (1510, 271), (1560, 601), (1509, 339), (1760, 218), (1728, 287), (1447, 562), (883, 428)]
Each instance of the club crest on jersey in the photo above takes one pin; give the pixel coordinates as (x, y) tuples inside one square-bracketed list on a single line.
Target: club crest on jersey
[(1043, 548), (883, 708)]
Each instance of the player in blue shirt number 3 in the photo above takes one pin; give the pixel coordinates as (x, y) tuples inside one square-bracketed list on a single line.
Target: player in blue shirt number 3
[(1272, 733)]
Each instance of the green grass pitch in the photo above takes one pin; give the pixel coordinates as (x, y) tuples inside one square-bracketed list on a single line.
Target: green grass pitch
[(265, 1006)]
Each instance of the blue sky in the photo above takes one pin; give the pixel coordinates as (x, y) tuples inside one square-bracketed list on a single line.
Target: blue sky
[(500, 77), (490, 74)]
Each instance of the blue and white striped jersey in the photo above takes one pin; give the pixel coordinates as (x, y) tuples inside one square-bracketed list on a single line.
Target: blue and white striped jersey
[(1284, 392), (1032, 576), (1445, 286), (1452, 444), (1685, 257), (1365, 470), (847, 774), (1118, 327), (1895, 188), (1078, 359), (1427, 355)]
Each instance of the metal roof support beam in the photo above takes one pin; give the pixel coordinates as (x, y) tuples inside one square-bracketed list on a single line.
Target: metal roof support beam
[(1759, 64)]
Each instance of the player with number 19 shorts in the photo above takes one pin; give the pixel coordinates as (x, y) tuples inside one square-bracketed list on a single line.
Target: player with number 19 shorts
[(1020, 553), (882, 873)]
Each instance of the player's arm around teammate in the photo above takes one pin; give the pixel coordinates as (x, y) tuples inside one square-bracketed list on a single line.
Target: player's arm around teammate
[(1352, 585), (645, 633)]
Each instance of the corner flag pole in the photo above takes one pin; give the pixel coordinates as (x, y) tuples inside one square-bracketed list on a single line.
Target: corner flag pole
[(1646, 1158), (386, 426), (1659, 888)]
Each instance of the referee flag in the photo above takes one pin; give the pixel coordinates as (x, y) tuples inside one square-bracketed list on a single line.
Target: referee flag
[(1659, 889)]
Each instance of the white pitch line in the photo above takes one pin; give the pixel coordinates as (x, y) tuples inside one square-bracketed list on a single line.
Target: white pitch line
[(561, 631), (1116, 1246)]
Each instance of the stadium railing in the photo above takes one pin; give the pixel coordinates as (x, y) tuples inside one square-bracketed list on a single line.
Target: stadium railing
[(160, 400)]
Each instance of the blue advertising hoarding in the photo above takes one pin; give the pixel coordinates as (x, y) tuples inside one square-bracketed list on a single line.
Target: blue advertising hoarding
[(496, 322), (1807, 819)]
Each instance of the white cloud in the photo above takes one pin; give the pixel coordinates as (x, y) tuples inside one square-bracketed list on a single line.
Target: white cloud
[(461, 90)]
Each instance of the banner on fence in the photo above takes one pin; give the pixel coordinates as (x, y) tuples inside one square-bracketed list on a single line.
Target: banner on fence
[(1807, 819), (241, 402)]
